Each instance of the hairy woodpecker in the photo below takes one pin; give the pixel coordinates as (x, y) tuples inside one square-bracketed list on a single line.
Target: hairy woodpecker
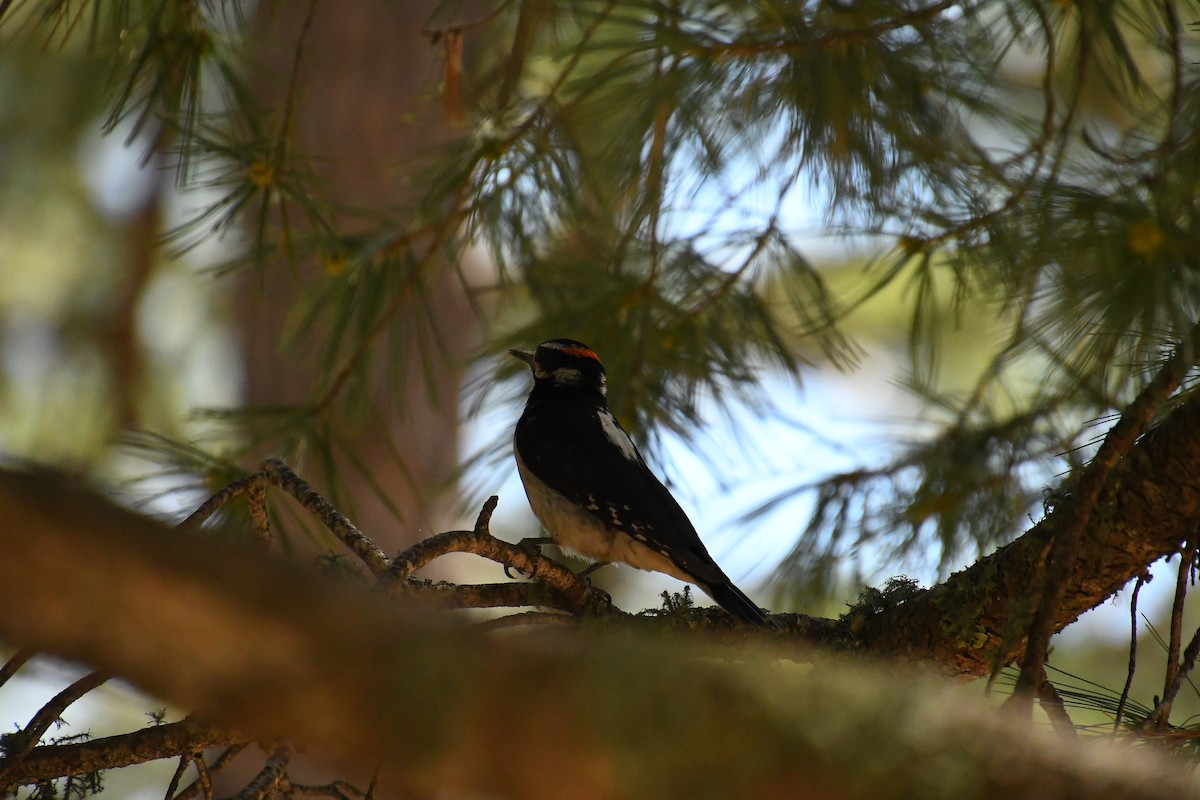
[(589, 486)]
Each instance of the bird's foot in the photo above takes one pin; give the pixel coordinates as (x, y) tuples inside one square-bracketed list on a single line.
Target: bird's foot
[(532, 548), (586, 573)]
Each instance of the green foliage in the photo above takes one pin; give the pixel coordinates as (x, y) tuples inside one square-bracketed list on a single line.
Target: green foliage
[(871, 601), (635, 170), (675, 603)]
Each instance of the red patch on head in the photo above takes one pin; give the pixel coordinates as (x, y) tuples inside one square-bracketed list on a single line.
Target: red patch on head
[(582, 352)]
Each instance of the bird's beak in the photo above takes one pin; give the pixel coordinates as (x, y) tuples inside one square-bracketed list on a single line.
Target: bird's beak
[(524, 355)]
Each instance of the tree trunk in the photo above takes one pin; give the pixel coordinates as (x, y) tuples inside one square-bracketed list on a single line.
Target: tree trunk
[(364, 105)]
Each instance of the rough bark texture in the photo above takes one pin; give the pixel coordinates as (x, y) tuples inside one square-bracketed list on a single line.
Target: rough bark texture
[(278, 652), (976, 619), (272, 649), (112, 752)]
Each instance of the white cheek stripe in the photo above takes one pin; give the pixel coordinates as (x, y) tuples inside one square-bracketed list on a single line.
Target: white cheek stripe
[(617, 436)]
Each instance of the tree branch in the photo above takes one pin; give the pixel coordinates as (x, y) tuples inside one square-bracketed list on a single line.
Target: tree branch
[(268, 777), (271, 633), (17, 746), (1148, 506), (274, 472), (1064, 548), (271, 648), (148, 744), (15, 663)]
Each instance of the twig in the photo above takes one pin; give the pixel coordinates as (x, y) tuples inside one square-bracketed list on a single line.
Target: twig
[(215, 503), (425, 551), (205, 772), (260, 521), (578, 592), (21, 744), (1052, 703), (568, 591), (1177, 669), (337, 523), (185, 761), (204, 778), (270, 774), (1137, 587), (340, 790), (110, 752), (1188, 664), (274, 472), (15, 663), (1187, 557), (1064, 551)]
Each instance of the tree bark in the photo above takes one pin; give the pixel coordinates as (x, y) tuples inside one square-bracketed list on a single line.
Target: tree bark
[(271, 649), (976, 620), (364, 107)]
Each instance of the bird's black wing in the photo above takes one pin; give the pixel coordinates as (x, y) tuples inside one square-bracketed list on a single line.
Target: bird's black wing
[(602, 472)]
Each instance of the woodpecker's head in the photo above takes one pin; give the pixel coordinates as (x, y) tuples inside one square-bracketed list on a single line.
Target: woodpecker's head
[(565, 363)]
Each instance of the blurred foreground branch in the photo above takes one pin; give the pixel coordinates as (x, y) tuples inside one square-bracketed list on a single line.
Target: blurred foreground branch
[(365, 678)]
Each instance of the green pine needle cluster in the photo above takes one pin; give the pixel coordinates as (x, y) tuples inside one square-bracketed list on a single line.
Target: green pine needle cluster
[(635, 169)]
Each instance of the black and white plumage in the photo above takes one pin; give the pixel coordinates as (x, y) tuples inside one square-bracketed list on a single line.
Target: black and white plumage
[(589, 486)]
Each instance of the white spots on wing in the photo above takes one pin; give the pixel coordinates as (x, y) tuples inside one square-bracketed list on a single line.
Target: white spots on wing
[(617, 436), (613, 515), (578, 530)]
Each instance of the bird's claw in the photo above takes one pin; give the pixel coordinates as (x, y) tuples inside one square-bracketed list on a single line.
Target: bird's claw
[(532, 548), (512, 573)]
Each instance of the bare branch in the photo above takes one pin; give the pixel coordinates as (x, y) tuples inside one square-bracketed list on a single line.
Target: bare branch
[(1052, 703), (1177, 669), (1187, 562), (271, 634), (274, 472), (578, 593), (15, 663), (512, 594), (215, 503), (19, 745), (185, 761), (148, 744), (204, 772), (1133, 633), (268, 777)]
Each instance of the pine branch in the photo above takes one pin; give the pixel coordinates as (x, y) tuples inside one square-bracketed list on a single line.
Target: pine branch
[(360, 681), (963, 626), (1062, 559), (110, 752), (1147, 507), (18, 746)]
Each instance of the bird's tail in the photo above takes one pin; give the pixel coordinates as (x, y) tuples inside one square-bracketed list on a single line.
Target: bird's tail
[(731, 598)]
